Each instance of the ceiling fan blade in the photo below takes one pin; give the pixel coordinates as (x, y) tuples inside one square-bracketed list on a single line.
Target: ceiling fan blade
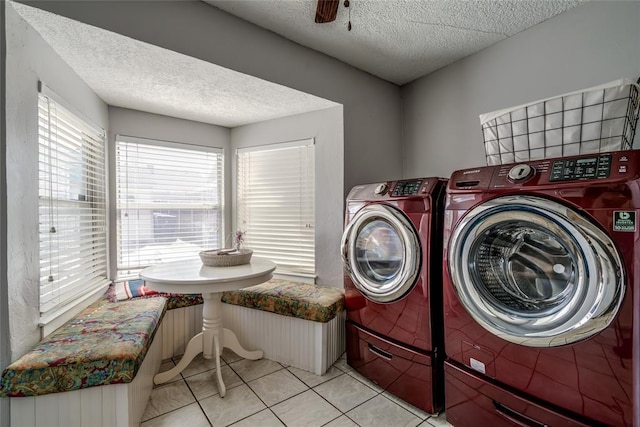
[(326, 11)]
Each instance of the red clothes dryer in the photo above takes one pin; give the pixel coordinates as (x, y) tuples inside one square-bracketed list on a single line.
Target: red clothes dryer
[(541, 293), (392, 238)]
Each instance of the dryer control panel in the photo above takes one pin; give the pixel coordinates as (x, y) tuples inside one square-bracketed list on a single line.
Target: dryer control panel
[(416, 188), (407, 188)]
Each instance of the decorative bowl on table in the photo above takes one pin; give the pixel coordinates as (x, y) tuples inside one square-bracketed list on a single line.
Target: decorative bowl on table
[(226, 257)]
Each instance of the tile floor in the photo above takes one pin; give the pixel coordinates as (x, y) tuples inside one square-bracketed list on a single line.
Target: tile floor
[(266, 393)]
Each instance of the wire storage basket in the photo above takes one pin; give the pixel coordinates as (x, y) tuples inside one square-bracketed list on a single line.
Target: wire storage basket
[(595, 120)]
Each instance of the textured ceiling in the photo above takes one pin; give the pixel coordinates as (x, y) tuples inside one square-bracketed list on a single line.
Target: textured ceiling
[(131, 74), (398, 40)]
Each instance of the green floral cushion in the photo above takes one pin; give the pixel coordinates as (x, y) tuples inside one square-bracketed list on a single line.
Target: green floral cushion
[(173, 300), (104, 344), (302, 300), (182, 300)]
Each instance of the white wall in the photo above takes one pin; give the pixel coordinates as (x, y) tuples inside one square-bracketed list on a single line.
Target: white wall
[(592, 44), (372, 120), (139, 124), (326, 126), (30, 59), (5, 356)]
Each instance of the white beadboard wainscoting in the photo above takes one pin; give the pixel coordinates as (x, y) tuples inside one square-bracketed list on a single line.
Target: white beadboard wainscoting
[(307, 345), (312, 346), (178, 327)]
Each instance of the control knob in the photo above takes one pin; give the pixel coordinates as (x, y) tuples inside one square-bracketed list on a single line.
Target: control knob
[(520, 173), (380, 189)]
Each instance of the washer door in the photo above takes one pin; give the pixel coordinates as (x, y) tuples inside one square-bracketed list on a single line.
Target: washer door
[(381, 253), (535, 272)]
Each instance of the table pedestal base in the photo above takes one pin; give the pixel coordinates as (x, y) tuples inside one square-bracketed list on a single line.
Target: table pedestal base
[(210, 343)]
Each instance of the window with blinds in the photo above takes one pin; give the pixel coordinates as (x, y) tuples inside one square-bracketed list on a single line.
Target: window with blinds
[(276, 204), (72, 211), (168, 201)]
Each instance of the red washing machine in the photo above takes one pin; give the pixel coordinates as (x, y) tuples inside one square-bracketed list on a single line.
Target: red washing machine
[(541, 293), (393, 236)]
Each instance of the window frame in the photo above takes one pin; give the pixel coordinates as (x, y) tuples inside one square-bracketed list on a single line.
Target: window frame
[(302, 274), (59, 302), (123, 272)]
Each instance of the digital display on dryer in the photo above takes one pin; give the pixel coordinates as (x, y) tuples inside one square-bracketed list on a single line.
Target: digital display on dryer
[(584, 168), (407, 188)]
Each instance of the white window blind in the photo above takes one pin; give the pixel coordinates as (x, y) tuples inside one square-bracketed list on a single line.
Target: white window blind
[(72, 210), (169, 202), (276, 204)]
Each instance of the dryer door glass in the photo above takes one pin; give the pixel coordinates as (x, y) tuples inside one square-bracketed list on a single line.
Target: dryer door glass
[(378, 251), (535, 272), (381, 253)]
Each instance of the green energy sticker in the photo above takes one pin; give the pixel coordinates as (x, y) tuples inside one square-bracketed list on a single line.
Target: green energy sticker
[(624, 221)]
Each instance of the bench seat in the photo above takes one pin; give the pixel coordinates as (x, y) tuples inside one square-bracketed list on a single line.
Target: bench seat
[(297, 324), (182, 321), (105, 344), (302, 300)]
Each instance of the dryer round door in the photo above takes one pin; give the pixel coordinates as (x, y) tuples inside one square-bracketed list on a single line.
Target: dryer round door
[(381, 253), (535, 272)]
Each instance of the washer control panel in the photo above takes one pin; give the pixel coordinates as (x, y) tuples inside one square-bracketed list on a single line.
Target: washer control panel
[(615, 166), (583, 168)]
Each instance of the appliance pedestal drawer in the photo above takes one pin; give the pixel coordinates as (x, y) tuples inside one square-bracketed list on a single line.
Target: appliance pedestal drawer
[(402, 372), (474, 401)]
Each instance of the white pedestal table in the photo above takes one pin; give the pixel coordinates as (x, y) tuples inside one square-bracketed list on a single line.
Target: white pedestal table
[(193, 277)]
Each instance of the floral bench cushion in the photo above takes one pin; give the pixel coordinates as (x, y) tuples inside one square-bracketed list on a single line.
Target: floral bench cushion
[(302, 300), (182, 300), (104, 344), (132, 289)]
